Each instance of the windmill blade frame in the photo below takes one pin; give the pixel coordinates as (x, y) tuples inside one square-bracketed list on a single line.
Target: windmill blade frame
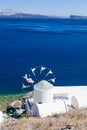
[(34, 76)]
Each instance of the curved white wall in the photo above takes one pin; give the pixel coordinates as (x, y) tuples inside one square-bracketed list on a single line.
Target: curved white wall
[(46, 109), (79, 101), (43, 92), (43, 96)]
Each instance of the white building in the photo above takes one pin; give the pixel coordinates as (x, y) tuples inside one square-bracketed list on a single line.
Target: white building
[(49, 100), (44, 103)]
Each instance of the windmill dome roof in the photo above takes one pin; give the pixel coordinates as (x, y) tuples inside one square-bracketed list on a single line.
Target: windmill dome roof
[(43, 85)]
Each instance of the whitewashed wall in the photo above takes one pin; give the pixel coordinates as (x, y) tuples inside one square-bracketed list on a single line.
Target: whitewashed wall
[(46, 109)]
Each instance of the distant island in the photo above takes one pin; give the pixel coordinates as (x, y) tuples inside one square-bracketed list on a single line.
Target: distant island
[(10, 13), (78, 17)]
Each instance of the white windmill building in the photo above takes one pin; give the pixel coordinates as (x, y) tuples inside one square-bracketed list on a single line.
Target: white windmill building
[(43, 100), (49, 99)]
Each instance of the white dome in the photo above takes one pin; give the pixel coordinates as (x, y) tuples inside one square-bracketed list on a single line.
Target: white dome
[(43, 85)]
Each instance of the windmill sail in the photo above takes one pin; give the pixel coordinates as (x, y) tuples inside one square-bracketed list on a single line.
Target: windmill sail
[(30, 80), (53, 80), (33, 70), (25, 76), (50, 72), (42, 68), (24, 86)]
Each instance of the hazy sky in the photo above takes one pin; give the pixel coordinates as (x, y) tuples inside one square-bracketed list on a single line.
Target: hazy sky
[(47, 7)]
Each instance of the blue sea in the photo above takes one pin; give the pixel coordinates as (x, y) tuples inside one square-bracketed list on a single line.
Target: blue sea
[(59, 44)]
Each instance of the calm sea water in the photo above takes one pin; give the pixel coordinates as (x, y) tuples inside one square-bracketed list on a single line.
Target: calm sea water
[(59, 44)]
